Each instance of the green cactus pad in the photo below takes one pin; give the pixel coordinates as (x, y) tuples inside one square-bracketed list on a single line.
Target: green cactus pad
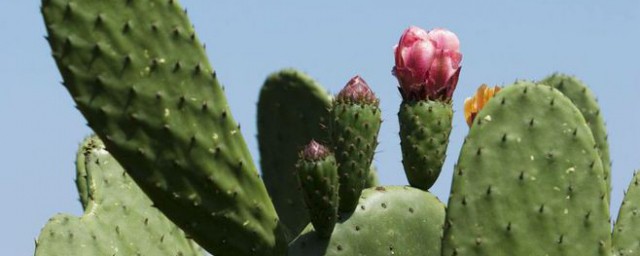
[(372, 178), (81, 180), (585, 100), (292, 110), (528, 181), (140, 76), (390, 220), (354, 132), (424, 136), (119, 218), (318, 178), (626, 231)]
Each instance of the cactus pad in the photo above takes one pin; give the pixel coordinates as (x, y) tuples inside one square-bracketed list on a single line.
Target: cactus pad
[(318, 175), (119, 218), (585, 100), (140, 77), (355, 123), (389, 220), (424, 136), (292, 110), (626, 232), (529, 180), (372, 179)]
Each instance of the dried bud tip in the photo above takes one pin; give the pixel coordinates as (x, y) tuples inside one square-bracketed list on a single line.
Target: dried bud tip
[(357, 91), (314, 151)]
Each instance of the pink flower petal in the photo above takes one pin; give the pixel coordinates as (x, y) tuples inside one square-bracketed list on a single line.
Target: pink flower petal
[(441, 68), (419, 58), (444, 39), (427, 63), (411, 35)]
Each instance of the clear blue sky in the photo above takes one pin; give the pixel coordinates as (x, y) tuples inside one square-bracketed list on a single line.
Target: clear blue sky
[(332, 41)]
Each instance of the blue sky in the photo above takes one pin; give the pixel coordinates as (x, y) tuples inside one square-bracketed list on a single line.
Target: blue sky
[(332, 41)]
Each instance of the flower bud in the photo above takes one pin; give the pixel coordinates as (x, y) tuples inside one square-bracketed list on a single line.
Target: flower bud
[(314, 151), (427, 64), (357, 91)]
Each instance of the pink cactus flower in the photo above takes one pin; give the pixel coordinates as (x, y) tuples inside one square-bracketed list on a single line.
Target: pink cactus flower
[(427, 64)]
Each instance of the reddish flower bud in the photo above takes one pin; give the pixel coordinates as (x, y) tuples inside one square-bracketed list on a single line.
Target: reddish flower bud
[(427, 64), (357, 91), (314, 151)]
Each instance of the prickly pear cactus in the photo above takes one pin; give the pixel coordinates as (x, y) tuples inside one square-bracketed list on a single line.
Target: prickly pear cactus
[(82, 183), (626, 235), (427, 66), (424, 136), (354, 123), (391, 220), (292, 110), (528, 181), (140, 76), (318, 175), (585, 100), (119, 219), (372, 179)]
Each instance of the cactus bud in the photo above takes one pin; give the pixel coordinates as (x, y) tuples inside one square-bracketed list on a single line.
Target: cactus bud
[(354, 124), (317, 172), (427, 64), (314, 151), (473, 105), (357, 91)]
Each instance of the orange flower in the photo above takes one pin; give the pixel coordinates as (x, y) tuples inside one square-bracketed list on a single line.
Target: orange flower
[(474, 104)]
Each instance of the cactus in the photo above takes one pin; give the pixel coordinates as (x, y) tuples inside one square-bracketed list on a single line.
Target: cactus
[(117, 214), (626, 238), (318, 176), (292, 110), (140, 76), (528, 180), (547, 199), (355, 123), (390, 220), (586, 102), (424, 136), (427, 68), (372, 180)]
